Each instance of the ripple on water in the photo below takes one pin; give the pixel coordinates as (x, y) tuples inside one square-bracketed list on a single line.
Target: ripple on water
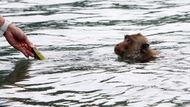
[(81, 69)]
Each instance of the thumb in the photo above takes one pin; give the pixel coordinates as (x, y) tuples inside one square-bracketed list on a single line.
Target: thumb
[(30, 44)]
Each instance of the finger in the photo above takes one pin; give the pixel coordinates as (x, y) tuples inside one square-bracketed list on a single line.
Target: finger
[(30, 44), (27, 49), (29, 52), (21, 49)]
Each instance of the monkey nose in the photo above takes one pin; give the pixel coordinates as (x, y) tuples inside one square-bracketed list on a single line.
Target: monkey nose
[(117, 49)]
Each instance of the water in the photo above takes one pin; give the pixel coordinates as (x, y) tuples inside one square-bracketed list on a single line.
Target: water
[(81, 69)]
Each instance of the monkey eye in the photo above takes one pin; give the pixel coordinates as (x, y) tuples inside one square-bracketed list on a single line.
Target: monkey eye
[(129, 40)]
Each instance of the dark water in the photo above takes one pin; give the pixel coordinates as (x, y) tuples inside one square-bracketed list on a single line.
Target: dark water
[(81, 69)]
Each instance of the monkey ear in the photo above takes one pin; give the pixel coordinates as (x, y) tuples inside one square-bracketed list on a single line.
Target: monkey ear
[(126, 36), (144, 47), (139, 34)]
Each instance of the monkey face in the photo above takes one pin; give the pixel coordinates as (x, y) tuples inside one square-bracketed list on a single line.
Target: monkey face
[(132, 47)]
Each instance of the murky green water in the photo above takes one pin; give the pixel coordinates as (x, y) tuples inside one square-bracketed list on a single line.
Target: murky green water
[(81, 69)]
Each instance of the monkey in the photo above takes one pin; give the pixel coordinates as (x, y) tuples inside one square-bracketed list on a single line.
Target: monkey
[(135, 47)]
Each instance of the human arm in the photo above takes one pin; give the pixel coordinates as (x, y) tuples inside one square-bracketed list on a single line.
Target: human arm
[(18, 39)]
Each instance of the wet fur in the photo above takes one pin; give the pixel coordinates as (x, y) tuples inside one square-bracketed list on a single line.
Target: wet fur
[(135, 47)]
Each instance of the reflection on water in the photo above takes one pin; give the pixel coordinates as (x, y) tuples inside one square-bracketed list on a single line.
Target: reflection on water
[(81, 69), (19, 73)]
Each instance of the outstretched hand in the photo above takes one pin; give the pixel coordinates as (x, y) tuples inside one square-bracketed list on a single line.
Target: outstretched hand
[(18, 39)]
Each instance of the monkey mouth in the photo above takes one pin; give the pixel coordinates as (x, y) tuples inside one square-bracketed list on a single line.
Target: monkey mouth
[(119, 52), (127, 55)]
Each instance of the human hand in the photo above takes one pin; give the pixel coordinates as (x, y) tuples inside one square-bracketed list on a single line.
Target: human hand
[(18, 39)]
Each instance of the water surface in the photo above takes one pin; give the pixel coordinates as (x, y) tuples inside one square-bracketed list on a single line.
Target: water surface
[(81, 69)]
